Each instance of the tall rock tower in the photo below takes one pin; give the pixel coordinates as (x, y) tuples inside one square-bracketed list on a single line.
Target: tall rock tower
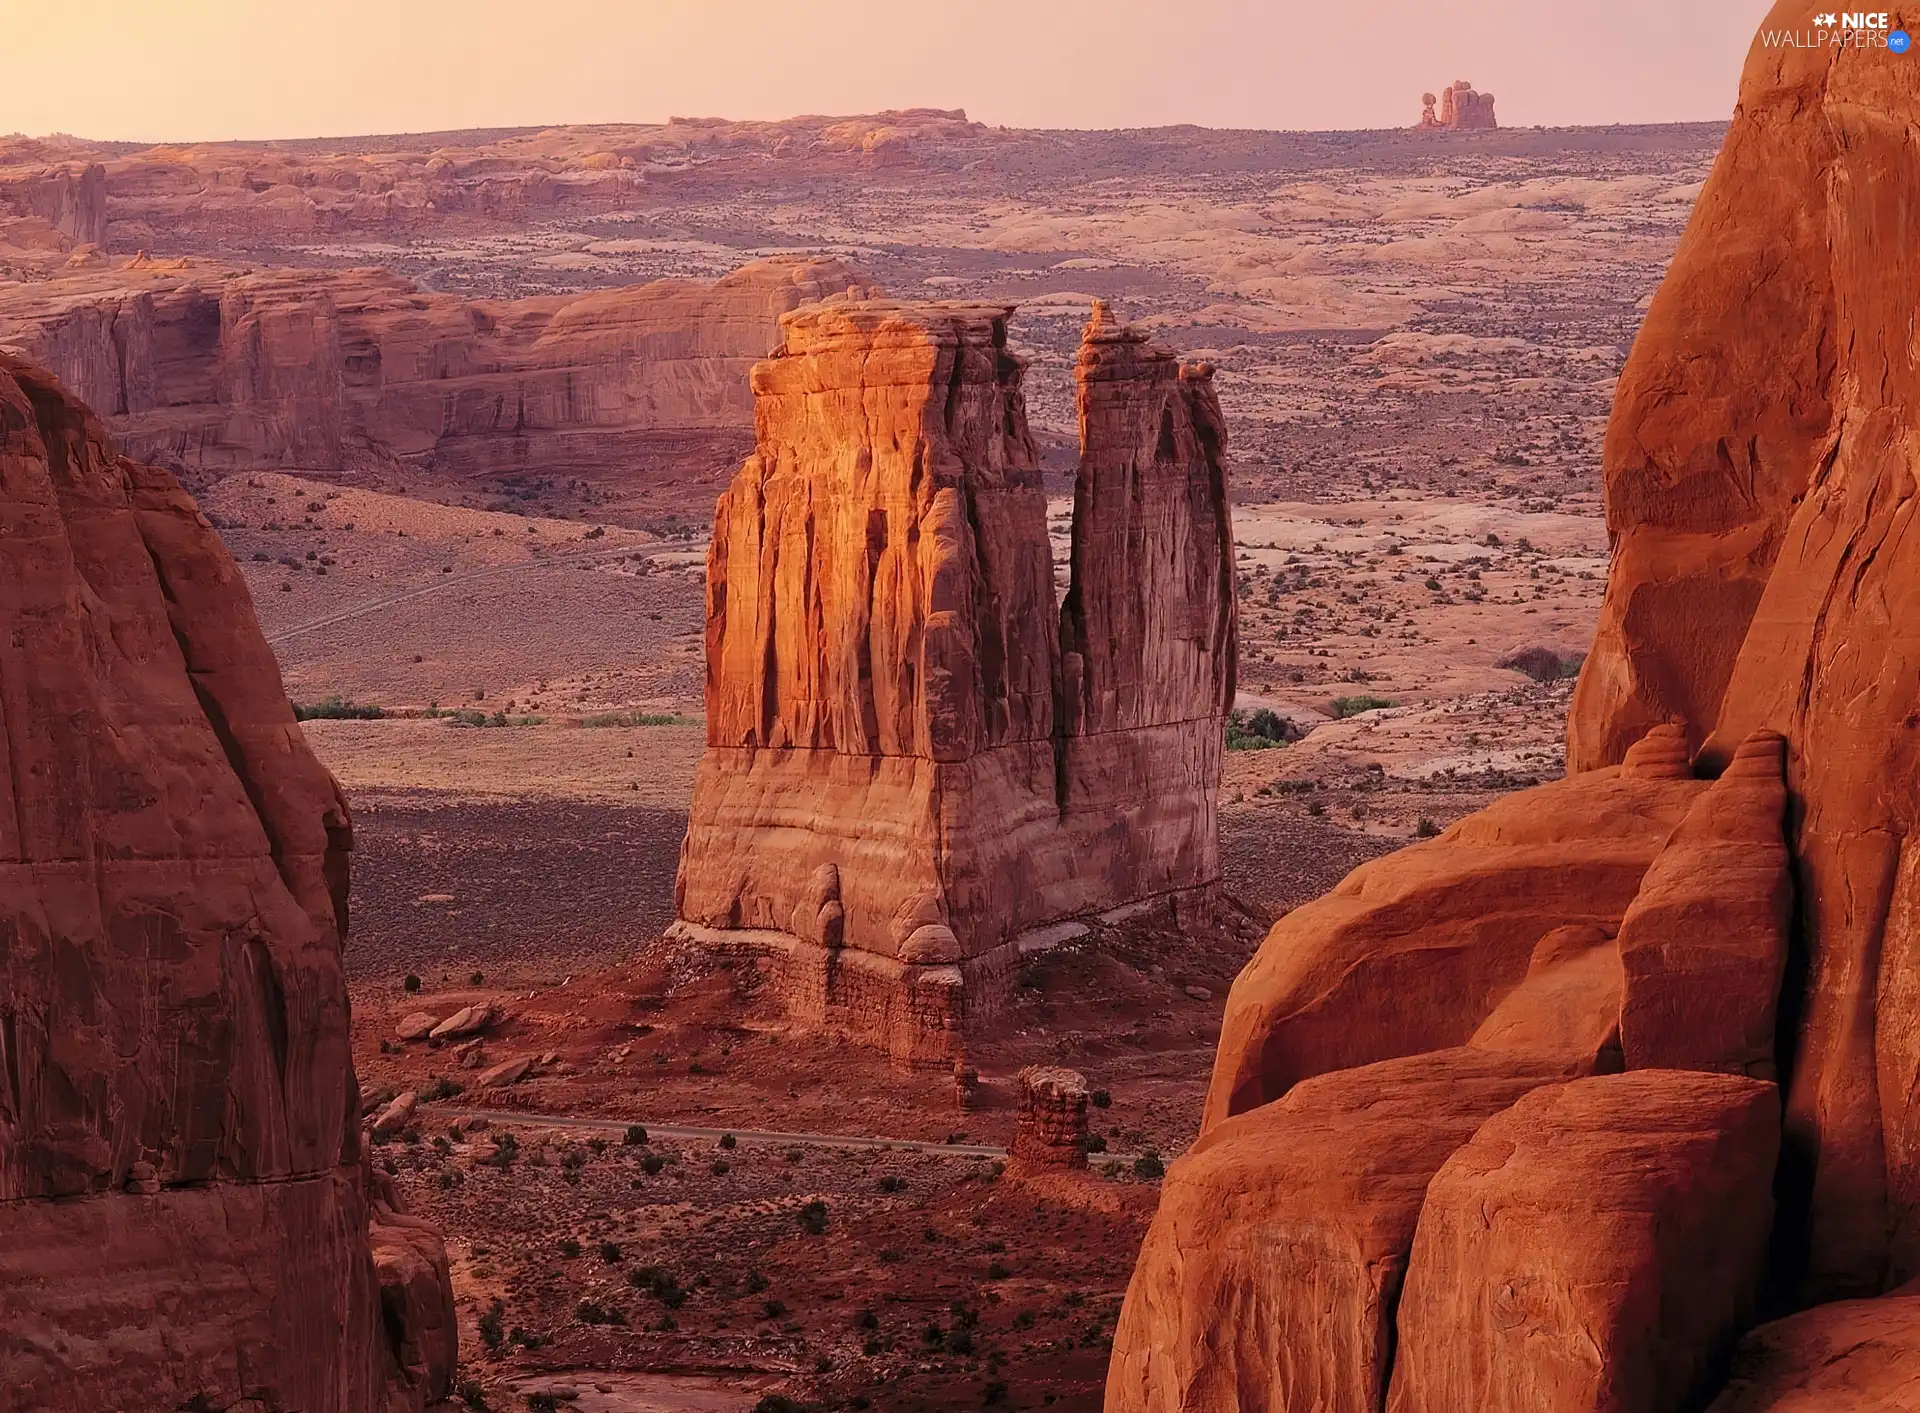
[(919, 762)]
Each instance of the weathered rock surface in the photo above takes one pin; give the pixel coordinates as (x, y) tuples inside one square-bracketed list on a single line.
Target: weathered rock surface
[(1704, 945), (468, 1020), (1757, 475), (220, 369), (1594, 1249), (69, 198), (183, 1214), (396, 1116), (1414, 951), (1568, 1003), (1597, 1245), (915, 756), (1460, 108), (1269, 1278), (1052, 1129), (505, 1073), (1853, 1356), (416, 1292)]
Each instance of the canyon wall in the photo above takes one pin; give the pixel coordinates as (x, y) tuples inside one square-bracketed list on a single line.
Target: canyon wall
[(1543, 1114), (186, 1214), (917, 757), (219, 370), (70, 197)]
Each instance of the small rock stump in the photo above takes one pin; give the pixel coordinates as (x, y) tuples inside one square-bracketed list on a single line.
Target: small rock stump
[(1052, 1131)]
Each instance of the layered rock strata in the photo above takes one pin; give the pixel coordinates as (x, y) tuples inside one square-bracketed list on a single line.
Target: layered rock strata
[(1520, 1300), (918, 759), (185, 1219), (1720, 894), (1052, 1128), (216, 369), (69, 198)]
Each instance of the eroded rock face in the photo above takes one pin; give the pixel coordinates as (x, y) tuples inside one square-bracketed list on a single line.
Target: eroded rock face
[(1269, 1278), (70, 197), (917, 757), (1460, 108), (1598, 1244), (1414, 951), (1758, 472), (215, 369), (1596, 1248), (183, 1213), (1853, 1356), (1704, 945)]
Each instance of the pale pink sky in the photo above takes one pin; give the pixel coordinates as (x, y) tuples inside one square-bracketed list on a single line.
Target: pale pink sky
[(202, 69)]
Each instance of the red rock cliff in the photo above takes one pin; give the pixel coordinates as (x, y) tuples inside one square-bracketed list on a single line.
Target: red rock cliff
[(223, 370), (184, 1218), (1758, 470), (905, 775)]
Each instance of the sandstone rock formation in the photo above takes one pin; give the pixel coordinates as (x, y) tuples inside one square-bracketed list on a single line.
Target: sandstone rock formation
[(1593, 1249), (1414, 951), (69, 197), (1757, 469), (1720, 892), (184, 1213), (1052, 1131), (918, 761), (1853, 1356), (210, 368), (1460, 109)]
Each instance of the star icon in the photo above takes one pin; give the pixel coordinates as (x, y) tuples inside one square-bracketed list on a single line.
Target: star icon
[(1826, 21)]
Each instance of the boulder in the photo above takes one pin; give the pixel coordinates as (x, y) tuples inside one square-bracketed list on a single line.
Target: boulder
[(468, 1020), (184, 1215), (396, 1116), (1596, 1248), (505, 1073), (417, 1026), (1268, 1280), (1542, 664)]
